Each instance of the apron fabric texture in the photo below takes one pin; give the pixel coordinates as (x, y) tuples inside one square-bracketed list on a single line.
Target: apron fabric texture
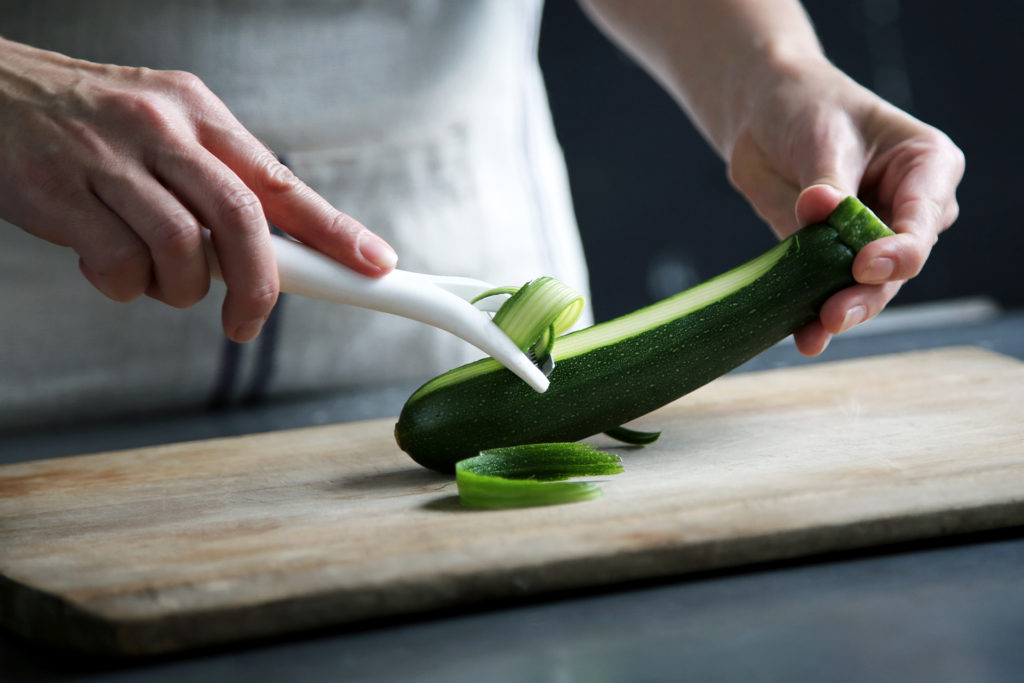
[(426, 120)]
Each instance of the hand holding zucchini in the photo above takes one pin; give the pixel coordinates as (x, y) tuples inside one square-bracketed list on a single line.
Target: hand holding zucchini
[(617, 371)]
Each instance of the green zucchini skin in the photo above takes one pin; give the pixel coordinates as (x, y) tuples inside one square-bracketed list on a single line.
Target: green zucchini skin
[(606, 386)]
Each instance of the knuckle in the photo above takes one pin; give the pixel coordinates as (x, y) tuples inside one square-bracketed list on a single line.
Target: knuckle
[(738, 170), (950, 155), (936, 211), (176, 234), (928, 214), (263, 293), (344, 227), (276, 177), (738, 176), (958, 156), (952, 213), (943, 147), (258, 297), (184, 83), (125, 260), (945, 143), (912, 257), (123, 272), (142, 110), (157, 103), (240, 207)]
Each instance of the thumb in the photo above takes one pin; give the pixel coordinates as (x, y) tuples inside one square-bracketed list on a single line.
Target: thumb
[(830, 169), (819, 199)]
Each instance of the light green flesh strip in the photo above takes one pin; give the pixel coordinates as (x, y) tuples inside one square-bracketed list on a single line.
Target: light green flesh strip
[(537, 306), (532, 318), (532, 475), (639, 321), (674, 307), (494, 292)]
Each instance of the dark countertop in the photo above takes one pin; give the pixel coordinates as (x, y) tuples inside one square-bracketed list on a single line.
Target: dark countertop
[(947, 610)]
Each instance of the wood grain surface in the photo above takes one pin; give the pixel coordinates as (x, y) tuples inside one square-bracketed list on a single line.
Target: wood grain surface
[(193, 544)]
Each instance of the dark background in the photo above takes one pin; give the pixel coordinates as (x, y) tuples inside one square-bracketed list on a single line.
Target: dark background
[(657, 212)]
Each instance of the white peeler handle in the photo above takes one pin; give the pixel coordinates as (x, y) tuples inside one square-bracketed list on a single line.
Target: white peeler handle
[(306, 272)]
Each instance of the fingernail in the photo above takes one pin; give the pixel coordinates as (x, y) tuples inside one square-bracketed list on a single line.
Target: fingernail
[(854, 316), (377, 251), (879, 270), (248, 331)]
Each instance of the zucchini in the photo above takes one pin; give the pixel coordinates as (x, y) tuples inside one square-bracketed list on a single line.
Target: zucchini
[(619, 370)]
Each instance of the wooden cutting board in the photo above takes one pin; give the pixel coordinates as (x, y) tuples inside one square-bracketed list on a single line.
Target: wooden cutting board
[(178, 546)]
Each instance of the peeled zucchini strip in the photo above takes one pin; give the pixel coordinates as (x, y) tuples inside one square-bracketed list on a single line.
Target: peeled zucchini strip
[(532, 475), (537, 313)]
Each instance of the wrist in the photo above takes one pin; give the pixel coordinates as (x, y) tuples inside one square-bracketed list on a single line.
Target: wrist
[(746, 52), (771, 68)]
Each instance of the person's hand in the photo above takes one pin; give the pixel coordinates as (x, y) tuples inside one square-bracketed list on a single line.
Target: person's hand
[(124, 165), (816, 137)]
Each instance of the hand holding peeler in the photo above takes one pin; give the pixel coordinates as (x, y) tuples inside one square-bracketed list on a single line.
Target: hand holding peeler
[(440, 301)]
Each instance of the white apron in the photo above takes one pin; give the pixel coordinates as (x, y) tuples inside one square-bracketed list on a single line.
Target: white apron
[(425, 120)]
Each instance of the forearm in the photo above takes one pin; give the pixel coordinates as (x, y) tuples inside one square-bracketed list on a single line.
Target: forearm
[(714, 56)]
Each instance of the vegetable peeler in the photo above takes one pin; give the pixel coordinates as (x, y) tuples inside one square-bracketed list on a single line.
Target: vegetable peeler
[(440, 301)]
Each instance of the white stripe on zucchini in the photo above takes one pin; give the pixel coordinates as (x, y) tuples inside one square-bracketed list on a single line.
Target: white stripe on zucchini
[(616, 330)]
